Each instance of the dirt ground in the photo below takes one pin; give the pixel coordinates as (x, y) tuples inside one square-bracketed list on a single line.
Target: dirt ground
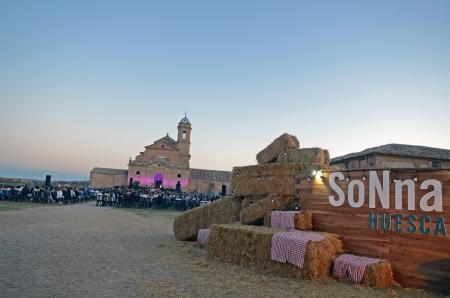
[(87, 251)]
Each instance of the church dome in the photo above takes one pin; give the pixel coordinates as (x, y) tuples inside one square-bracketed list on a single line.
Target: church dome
[(184, 120)]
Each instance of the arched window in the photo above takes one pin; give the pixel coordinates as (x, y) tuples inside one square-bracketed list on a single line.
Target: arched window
[(183, 136)]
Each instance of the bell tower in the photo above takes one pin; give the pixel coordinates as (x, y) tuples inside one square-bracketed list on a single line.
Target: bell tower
[(184, 139)]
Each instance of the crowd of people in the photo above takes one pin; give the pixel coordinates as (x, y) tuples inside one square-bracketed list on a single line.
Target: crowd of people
[(143, 197), (44, 195), (121, 197)]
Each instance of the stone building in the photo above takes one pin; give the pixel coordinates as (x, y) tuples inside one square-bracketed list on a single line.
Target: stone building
[(395, 156), (165, 163)]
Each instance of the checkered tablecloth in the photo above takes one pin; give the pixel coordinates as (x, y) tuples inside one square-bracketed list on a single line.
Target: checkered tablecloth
[(283, 219), (352, 267), (202, 237), (290, 247)]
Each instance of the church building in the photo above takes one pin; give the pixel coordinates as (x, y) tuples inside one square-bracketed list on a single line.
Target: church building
[(165, 163)]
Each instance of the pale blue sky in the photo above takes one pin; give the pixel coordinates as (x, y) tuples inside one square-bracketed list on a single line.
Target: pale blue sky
[(90, 83)]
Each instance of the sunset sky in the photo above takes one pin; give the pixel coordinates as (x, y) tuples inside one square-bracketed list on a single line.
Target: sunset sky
[(90, 83)]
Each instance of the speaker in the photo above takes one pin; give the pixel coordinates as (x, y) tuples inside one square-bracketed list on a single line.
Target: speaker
[(48, 179), (178, 186), (131, 182)]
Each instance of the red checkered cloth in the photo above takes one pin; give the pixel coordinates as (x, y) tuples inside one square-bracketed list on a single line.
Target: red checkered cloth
[(283, 219), (290, 247), (202, 237), (352, 267)]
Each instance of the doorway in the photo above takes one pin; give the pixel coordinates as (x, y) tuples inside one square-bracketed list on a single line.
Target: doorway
[(158, 180)]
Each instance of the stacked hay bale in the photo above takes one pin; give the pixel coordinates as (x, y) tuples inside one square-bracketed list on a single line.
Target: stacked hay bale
[(251, 246), (302, 221), (280, 144), (379, 275), (278, 179), (305, 155), (274, 183), (257, 189), (226, 210), (256, 212)]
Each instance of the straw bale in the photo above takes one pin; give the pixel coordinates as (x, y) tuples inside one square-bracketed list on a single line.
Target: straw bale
[(251, 246), (280, 144), (275, 178), (225, 210), (379, 275), (305, 155), (249, 200), (256, 212), (302, 221)]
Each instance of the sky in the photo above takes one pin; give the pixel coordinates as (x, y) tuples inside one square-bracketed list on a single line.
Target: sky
[(88, 84)]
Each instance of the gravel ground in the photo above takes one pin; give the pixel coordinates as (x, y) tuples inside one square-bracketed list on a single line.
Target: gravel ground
[(87, 251)]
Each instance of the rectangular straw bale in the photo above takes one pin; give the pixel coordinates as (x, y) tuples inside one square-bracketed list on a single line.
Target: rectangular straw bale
[(249, 200), (267, 179), (302, 220), (225, 210), (379, 275), (251, 246), (305, 155), (280, 144), (256, 211)]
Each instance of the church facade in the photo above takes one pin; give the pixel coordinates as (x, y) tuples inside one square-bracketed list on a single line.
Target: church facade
[(165, 163)]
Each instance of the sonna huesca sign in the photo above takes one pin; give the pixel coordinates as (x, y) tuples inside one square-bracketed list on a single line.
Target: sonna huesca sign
[(398, 222)]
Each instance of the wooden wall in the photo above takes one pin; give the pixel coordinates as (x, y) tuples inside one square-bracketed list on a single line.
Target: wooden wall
[(418, 260)]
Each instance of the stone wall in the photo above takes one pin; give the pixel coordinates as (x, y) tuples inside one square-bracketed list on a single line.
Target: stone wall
[(107, 178)]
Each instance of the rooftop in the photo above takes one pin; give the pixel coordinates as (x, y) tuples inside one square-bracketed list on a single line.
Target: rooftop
[(108, 171), (165, 139), (399, 150)]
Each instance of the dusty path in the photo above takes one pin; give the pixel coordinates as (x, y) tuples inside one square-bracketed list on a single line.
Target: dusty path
[(87, 251)]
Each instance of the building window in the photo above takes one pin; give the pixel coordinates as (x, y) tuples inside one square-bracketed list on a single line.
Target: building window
[(436, 164), (162, 146), (179, 175), (138, 173), (183, 136)]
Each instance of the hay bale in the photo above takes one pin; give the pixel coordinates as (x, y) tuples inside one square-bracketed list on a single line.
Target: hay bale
[(249, 200), (268, 219), (302, 220), (305, 155), (379, 275), (280, 144), (187, 224), (267, 179), (256, 212), (251, 246)]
